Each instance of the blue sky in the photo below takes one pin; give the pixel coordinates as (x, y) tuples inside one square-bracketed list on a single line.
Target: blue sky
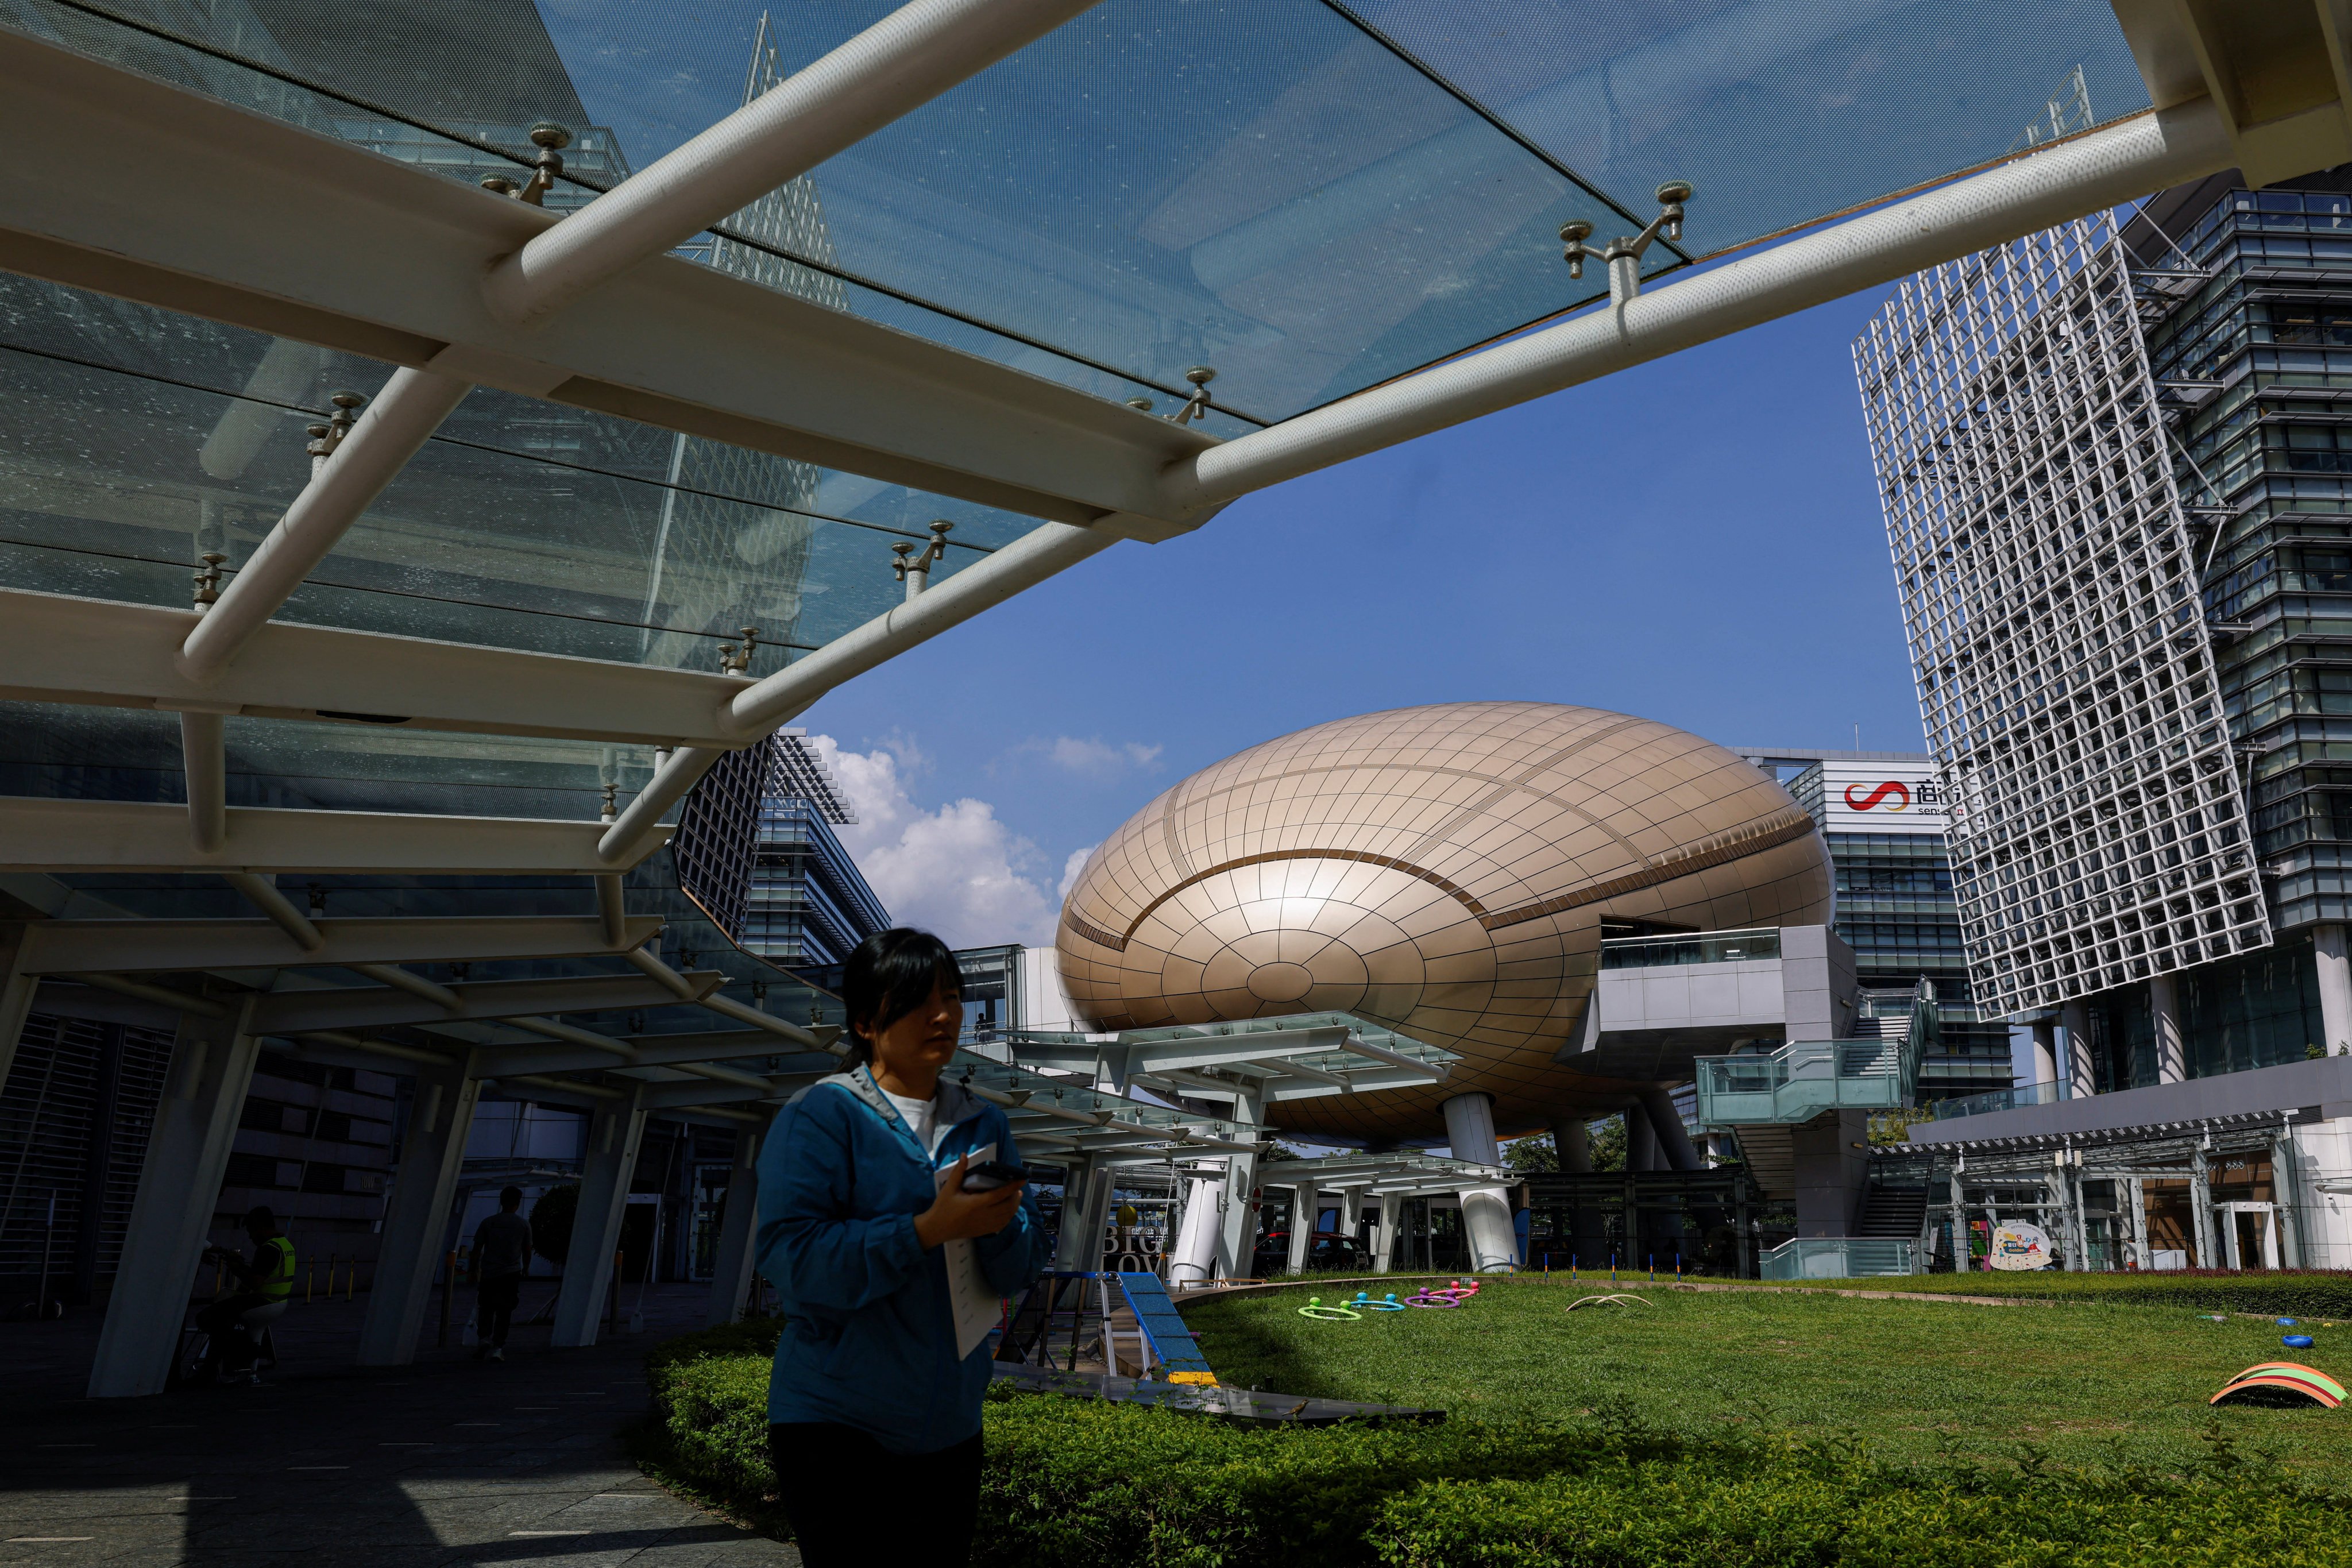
[(1696, 540)]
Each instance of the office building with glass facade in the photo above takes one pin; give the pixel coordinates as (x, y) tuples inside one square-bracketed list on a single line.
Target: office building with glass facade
[(1880, 816), (2109, 458)]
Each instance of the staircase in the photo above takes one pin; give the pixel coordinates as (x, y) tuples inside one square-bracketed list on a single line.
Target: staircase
[(1770, 1152), (1894, 1213)]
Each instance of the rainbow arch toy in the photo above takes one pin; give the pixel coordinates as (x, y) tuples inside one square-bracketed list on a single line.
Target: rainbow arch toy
[(2282, 1386)]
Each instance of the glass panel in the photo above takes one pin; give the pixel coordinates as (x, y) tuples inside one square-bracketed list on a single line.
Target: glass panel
[(137, 439), (1699, 947), (1778, 111)]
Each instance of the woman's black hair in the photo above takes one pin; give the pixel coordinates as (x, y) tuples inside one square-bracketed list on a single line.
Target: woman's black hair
[(892, 974)]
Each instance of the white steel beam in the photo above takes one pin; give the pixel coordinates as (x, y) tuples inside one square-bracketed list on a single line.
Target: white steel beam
[(655, 1050), (61, 947), (389, 431), (262, 893), (204, 760), (1225, 1050), (258, 223), (47, 835), (2065, 181), (897, 65), (381, 1007), (1026, 562), (55, 647)]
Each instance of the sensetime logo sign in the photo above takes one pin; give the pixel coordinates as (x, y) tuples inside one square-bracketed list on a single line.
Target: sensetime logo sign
[(1884, 797)]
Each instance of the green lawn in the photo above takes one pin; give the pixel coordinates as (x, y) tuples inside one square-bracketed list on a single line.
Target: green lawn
[(2086, 1382)]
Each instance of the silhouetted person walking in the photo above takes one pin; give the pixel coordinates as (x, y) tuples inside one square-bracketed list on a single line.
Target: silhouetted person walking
[(501, 1255)]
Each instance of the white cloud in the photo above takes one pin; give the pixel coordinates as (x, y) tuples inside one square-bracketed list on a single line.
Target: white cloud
[(1097, 758), (1071, 868), (956, 871)]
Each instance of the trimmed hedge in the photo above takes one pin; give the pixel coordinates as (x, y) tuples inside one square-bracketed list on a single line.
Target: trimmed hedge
[(1071, 1481), (2302, 1294)]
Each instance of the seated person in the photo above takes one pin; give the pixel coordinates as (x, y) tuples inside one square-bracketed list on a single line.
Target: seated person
[(266, 1280)]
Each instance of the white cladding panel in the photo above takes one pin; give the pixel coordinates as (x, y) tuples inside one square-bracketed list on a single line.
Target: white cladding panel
[(1883, 798)]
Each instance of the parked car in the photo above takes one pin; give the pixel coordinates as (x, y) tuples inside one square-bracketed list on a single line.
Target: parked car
[(1328, 1253)]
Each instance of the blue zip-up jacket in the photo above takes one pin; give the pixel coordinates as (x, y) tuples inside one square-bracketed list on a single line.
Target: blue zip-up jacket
[(870, 1338)]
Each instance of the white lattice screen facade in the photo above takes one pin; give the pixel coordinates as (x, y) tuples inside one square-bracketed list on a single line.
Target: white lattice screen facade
[(2050, 596)]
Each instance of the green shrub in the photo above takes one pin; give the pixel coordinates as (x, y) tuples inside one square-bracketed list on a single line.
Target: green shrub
[(1072, 1481)]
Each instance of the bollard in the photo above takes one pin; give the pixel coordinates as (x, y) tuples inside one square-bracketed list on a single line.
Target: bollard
[(310, 1281), (449, 1289), (332, 1258), (350, 1280)]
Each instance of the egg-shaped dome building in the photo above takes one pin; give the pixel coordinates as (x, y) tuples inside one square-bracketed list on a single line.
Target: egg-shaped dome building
[(1443, 870)]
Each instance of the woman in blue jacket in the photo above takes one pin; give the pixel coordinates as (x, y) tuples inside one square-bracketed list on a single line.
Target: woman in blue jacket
[(874, 1416)]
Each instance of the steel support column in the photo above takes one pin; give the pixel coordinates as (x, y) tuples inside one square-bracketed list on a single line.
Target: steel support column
[(16, 989), (739, 1231), (1236, 1228), (2075, 1074), (1666, 1126), (2334, 988), (1571, 1141), (416, 1218), (2164, 1008), (187, 1157), (1086, 1209), (1305, 1198), (1193, 1258), (1385, 1210), (1486, 1229), (613, 1135)]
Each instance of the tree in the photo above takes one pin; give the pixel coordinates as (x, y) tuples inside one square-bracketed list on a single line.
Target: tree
[(1535, 1154)]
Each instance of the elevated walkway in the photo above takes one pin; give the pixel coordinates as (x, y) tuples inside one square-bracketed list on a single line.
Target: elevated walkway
[(1806, 1079)]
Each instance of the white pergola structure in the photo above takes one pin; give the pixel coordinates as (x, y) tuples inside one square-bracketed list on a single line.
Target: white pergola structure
[(1069, 1120), (1253, 1064), (259, 218), (1373, 1186)]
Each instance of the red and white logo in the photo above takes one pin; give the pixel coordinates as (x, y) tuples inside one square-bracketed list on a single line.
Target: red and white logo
[(1878, 796)]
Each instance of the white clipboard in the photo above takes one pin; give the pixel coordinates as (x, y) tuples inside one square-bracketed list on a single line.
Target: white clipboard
[(971, 1298)]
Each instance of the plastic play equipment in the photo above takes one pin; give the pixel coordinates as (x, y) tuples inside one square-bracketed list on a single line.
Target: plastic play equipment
[(1082, 1307), (1364, 1303), (1315, 1310), (1434, 1298), (2296, 1341), (1616, 1300), (2282, 1386)]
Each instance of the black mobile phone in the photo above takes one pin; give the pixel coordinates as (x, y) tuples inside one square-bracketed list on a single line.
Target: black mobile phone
[(990, 1174)]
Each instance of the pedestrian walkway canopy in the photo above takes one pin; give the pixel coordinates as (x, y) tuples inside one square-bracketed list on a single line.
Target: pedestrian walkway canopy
[(447, 441)]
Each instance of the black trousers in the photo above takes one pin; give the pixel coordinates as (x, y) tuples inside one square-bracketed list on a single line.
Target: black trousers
[(852, 1501), (232, 1348), (493, 1306)]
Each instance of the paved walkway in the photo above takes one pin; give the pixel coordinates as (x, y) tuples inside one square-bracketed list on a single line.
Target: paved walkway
[(329, 1466)]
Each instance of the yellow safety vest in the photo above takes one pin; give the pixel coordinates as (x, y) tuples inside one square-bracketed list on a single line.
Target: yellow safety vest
[(277, 1282)]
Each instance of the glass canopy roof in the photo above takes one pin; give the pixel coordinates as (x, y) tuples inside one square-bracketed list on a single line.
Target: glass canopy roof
[(1310, 196)]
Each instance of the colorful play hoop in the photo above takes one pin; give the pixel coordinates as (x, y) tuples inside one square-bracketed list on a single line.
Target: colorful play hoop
[(1315, 1310), (1365, 1303), (1432, 1298)]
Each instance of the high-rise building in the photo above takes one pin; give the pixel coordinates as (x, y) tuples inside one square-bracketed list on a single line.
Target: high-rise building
[(2116, 471), (1883, 816)]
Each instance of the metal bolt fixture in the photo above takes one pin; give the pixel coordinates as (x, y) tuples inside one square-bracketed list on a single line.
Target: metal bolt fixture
[(915, 571), (612, 807), (1140, 404), (318, 900), (1197, 406), (207, 580), (500, 185), (326, 437), (550, 139), (1622, 257), (734, 659)]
